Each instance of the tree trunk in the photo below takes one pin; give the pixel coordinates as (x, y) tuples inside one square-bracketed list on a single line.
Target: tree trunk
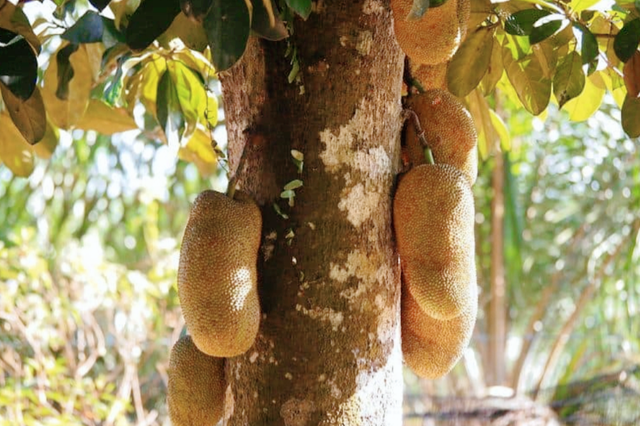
[(328, 351)]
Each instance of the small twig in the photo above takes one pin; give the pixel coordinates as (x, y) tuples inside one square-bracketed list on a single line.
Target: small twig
[(409, 114), (231, 188)]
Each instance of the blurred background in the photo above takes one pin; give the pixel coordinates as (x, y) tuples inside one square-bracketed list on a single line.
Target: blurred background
[(89, 248)]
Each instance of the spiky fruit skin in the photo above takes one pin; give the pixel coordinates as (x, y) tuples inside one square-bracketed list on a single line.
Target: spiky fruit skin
[(432, 347), (430, 76), (196, 388), (217, 274), (433, 221), (431, 40), (464, 13), (448, 129)]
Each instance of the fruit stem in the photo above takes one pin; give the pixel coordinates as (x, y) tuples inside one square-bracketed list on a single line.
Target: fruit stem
[(429, 156), (408, 114)]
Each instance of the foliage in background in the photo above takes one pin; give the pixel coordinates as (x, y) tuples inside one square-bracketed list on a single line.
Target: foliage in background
[(88, 304), (572, 269)]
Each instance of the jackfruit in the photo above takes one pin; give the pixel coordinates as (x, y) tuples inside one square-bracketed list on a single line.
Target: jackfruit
[(217, 273), (433, 221), (432, 39), (430, 76), (432, 347), (448, 129), (196, 388)]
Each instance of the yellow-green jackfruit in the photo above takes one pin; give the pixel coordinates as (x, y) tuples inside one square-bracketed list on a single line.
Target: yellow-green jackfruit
[(431, 347), (217, 276), (432, 39), (433, 218), (196, 388), (448, 129), (430, 76)]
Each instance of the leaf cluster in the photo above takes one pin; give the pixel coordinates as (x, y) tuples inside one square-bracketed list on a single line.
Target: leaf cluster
[(539, 52)]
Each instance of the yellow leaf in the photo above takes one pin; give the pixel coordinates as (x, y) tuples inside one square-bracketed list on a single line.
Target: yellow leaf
[(66, 113), (106, 120), (94, 55), (46, 147), (12, 18), (28, 115), (488, 138), (15, 151), (191, 33), (501, 130), (144, 86), (588, 102), (122, 10), (199, 151)]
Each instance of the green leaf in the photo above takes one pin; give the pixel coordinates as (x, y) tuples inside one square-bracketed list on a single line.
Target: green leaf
[(569, 79), (149, 21), (190, 92), (195, 9), (100, 4), (627, 40), (65, 70), (261, 22), (294, 184), (168, 109), (589, 49), (227, 26), (301, 7), (28, 115), (544, 31), (578, 6), (631, 116), (470, 63), (521, 22), (88, 29), (527, 78), (18, 64)]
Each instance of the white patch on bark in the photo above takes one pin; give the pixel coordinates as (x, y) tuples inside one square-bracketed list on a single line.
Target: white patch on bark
[(323, 314), (369, 276), (354, 149), (296, 412), (372, 6), (365, 42), (335, 390), (375, 389), (229, 403), (359, 204)]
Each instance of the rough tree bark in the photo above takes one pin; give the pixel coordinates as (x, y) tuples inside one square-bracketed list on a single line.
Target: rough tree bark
[(328, 351)]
